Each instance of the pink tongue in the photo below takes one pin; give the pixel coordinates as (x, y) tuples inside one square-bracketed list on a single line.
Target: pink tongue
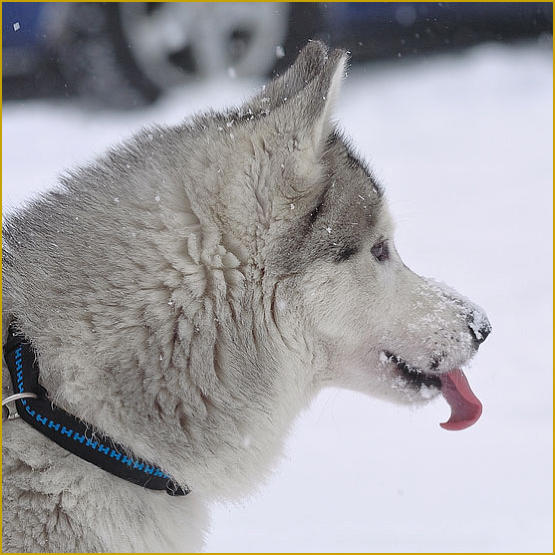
[(465, 406)]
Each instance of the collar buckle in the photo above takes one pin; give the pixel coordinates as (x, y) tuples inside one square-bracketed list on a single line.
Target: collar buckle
[(8, 414)]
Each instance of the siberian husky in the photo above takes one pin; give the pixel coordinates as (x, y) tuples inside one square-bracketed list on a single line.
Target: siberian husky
[(189, 293)]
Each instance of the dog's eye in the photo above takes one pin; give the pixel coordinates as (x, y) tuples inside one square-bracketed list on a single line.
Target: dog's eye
[(380, 251)]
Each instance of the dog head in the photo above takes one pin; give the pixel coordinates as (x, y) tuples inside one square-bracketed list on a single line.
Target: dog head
[(323, 238)]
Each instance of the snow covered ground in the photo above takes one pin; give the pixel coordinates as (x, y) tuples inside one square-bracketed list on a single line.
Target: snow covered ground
[(463, 144)]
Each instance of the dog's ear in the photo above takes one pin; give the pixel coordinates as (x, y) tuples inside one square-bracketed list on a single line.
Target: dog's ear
[(307, 66), (317, 102), (299, 105), (292, 120)]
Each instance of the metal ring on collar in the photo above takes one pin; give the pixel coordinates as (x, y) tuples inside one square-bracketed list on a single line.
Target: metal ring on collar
[(6, 414)]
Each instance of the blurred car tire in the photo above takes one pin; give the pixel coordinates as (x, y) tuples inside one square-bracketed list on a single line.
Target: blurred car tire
[(124, 55)]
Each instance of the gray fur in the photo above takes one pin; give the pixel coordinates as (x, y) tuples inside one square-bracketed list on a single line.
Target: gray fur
[(188, 294)]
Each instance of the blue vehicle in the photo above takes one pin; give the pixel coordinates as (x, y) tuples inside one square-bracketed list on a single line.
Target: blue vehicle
[(127, 54)]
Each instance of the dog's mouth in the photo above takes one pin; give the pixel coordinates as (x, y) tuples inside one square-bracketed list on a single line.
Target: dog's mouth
[(413, 376), (465, 406)]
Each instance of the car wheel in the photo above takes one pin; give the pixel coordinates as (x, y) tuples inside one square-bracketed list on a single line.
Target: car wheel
[(126, 54)]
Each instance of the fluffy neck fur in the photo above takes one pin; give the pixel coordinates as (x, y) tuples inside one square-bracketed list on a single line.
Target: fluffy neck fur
[(156, 338)]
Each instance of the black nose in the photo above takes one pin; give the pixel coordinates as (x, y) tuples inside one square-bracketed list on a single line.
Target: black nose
[(479, 327)]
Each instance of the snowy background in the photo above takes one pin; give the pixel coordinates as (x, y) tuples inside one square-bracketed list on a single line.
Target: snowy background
[(463, 144)]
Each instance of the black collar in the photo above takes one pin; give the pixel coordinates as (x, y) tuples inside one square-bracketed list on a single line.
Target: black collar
[(73, 434)]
